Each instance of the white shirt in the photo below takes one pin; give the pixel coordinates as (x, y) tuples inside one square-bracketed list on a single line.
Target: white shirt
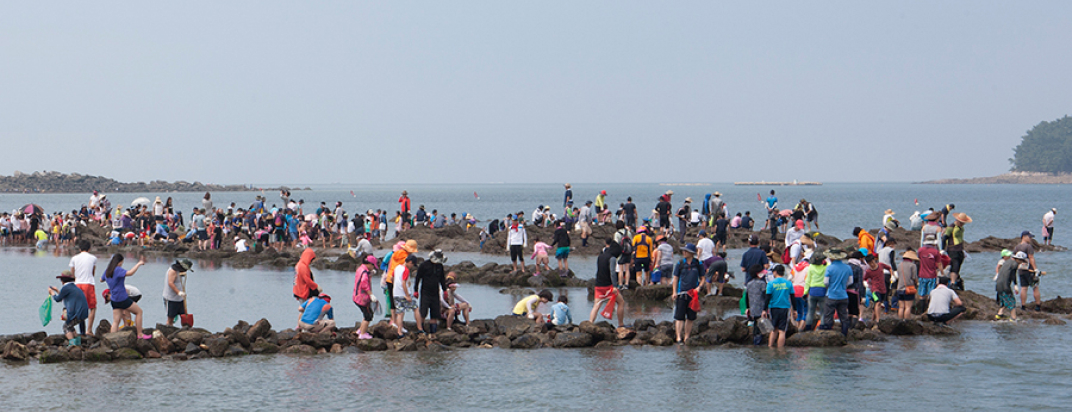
[(400, 286), (1047, 219), (941, 298), (706, 248), (517, 237), (83, 265), (793, 235), (94, 200), (240, 245)]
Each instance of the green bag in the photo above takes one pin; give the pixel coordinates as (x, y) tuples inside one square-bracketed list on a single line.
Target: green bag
[(744, 302), (46, 311)]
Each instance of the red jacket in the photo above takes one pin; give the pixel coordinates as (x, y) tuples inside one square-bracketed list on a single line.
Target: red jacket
[(303, 276)]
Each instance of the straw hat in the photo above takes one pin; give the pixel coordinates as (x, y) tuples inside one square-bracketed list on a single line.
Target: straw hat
[(688, 200), (670, 192), (568, 186), (836, 254), (890, 212), (962, 217), (717, 194), (910, 255), (410, 246)]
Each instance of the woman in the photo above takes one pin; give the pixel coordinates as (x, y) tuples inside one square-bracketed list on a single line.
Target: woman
[(116, 276), (206, 203), (363, 294), (907, 283)]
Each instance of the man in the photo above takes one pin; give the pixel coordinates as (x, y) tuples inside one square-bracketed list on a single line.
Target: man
[(1047, 224), (584, 222), (810, 214), (955, 248), (944, 213), (930, 265), (940, 309), (663, 210), (642, 249), (705, 250), (683, 216), (84, 266), (198, 222), (779, 306), (561, 243), (837, 278), (430, 283), (747, 222), (404, 206), (721, 229), (313, 311), (74, 301), (567, 199), (516, 241), (421, 217), (1004, 281), (174, 296), (605, 293), (715, 204), (754, 255), (888, 221), (629, 209), (687, 281), (1027, 271), (771, 203), (716, 273)]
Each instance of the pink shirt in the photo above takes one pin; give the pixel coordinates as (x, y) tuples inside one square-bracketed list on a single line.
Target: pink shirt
[(362, 286), (540, 248)]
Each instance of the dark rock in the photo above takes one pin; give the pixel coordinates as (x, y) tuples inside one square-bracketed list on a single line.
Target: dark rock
[(98, 354), (192, 349), (239, 338), (143, 346), (371, 345), (900, 327), (178, 356), (235, 350), (867, 334), (153, 355), (1054, 321), (55, 340), (931, 328), (190, 336), (53, 356), (625, 334), (300, 350), (819, 338), (104, 326), (259, 329), (15, 351), (126, 354), (514, 326), (121, 339), (216, 346), (501, 341), (263, 346), (661, 339), (336, 348), (643, 324), (405, 345), (451, 338), (573, 340), (384, 330), (166, 330), (710, 337), (526, 341), (241, 327), (74, 353), (161, 344)]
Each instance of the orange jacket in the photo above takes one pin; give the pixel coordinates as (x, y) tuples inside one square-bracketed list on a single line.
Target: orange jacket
[(397, 258), (303, 276), (866, 241)]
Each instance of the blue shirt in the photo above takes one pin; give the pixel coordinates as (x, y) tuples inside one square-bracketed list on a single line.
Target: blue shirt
[(688, 274), (771, 201), (117, 284), (839, 275), (561, 314), (313, 309), (74, 300), (780, 290), (753, 256)]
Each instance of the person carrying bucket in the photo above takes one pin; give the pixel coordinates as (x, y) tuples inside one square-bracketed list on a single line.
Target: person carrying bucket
[(175, 289)]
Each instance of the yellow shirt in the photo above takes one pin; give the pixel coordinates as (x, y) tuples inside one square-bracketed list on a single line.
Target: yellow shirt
[(41, 235), (527, 305)]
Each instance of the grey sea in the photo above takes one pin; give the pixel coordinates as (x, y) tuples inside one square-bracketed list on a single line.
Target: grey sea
[(988, 366)]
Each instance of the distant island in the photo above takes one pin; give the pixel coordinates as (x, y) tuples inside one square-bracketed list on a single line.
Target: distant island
[(56, 182), (1044, 156)]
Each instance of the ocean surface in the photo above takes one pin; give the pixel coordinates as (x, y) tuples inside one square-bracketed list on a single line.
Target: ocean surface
[(988, 366)]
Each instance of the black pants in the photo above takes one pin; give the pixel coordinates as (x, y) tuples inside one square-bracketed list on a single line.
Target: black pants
[(841, 307)]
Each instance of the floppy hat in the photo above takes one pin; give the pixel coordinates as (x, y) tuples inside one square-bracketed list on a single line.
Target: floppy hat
[(1020, 256), (717, 194), (933, 216), (688, 200), (836, 254), (962, 217), (185, 264), (410, 246), (910, 255), (890, 212), (436, 256)]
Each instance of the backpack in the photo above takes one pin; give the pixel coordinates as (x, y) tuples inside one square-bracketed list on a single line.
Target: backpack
[(626, 243), (786, 258)]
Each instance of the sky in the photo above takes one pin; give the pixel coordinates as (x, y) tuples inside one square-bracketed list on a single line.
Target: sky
[(241, 92)]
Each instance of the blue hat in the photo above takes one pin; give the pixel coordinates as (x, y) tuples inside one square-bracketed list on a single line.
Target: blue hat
[(690, 247), (864, 251), (1027, 233)]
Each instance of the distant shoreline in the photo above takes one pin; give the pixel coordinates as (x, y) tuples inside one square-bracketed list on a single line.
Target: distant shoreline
[(56, 182), (1013, 178)]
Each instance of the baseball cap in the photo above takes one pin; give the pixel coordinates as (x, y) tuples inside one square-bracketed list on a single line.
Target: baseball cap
[(1027, 233)]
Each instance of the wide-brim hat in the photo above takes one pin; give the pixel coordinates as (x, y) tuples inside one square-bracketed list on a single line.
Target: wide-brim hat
[(437, 256), (410, 246), (962, 217), (835, 254), (717, 194), (185, 264), (1020, 256), (890, 212), (688, 200), (933, 216), (910, 255)]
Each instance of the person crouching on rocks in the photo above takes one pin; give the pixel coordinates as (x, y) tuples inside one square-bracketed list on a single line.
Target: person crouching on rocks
[(313, 311), (527, 306), (605, 293), (74, 302), (456, 304)]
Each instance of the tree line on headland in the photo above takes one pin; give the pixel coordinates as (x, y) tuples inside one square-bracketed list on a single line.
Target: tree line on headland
[(1046, 148), (56, 182)]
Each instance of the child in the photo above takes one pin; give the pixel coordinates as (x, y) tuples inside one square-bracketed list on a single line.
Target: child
[(779, 294), (400, 295), (313, 312), (756, 290), (560, 312), (74, 302), (527, 306), (539, 254), (454, 302)]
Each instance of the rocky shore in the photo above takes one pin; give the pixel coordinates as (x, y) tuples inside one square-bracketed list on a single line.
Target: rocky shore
[(506, 332), (1037, 178), (56, 182)]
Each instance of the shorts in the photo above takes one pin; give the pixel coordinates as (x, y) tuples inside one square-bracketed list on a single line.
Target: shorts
[(720, 238), (905, 297), (664, 221), (71, 323), (926, 285), (366, 312), (1048, 233), (516, 253), (123, 305), (202, 235), (1007, 300), (135, 299), (1028, 279), (402, 304), (91, 294), (405, 217), (625, 259), (812, 217), (174, 308), (562, 253), (430, 309), (854, 304), (779, 317), (642, 264), (956, 259), (681, 308)]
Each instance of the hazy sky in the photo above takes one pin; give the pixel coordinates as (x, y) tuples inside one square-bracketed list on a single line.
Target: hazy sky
[(427, 92)]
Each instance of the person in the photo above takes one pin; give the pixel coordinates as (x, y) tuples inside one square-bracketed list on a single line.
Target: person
[(206, 204), (561, 241), (816, 288), (715, 205), (705, 249), (875, 278), (794, 233), (683, 215), (755, 292), (115, 276), (888, 221), (663, 259), (779, 307), (837, 277), (663, 210), (605, 292), (747, 222), (304, 286), (771, 203), (945, 306), (930, 265), (430, 282), (584, 222), (1003, 285), (754, 255), (560, 312), (721, 229), (810, 214), (864, 239), (74, 302), (642, 251), (1047, 227), (735, 223), (527, 307), (539, 255), (516, 240), (401, 296), (624, 264), (455, 303), (717, 273), (567, 199), (907, 284), (404, 207), (943, 214), (84, 266), (1027, 271), (197, 221), (363, 294), (954, 235), (629, 210), (602, 211), (174, 297), (931, 230), (313, 311), (687, 281)]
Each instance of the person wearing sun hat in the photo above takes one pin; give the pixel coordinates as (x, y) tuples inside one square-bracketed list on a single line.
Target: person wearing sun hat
[(1047, 226), (74, 302), (955, 249), (907, 284), (837, 278), (687, 281), (888, 221), (1027, 270), (931, 231), (1003, 283)]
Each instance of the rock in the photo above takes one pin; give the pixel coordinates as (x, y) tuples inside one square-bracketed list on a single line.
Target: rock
[(74, 353), (526, 341), (160, 343), (235, 350), (216, 346), (103, 327), (501, 341), (259, 329), (371, 345), (192, 349), (661, 339), (55, 340), (384, 330), (900, 327), (336, 348), (190, 336), (709, 337), (819, 338), (98, 354), (625, 333), (153, 355), (263, 346), (405, 345), (166, 330), (451, 338), (241, 327), (573, 340), (15, 351), (121, 339), (53, 356), (143, 346), (514, 326), (178, 356), (1054, 321), (643, 324), (239, 338), (126, 354), (931, 328), (598, 331), (867, 334), (300, 350)]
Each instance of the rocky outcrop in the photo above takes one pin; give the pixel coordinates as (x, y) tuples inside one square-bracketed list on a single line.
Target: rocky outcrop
[(56, 182)]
